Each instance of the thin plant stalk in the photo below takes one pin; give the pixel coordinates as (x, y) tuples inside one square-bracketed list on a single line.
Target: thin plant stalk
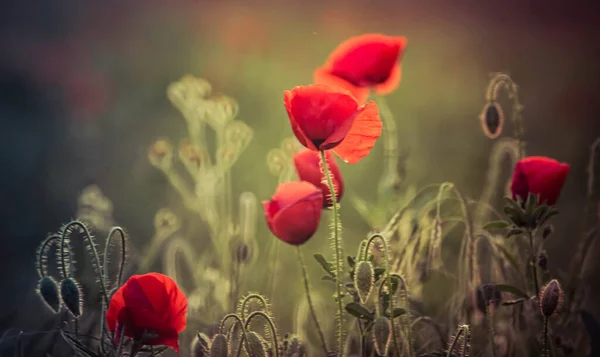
[(490, 321), (309, 300), (546, 349), (533, 263), (337, 240)]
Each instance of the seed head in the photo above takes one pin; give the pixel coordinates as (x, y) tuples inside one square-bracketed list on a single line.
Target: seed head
[(71, 296), (48, 290), (551, 298), (381, 335), (364, 278)]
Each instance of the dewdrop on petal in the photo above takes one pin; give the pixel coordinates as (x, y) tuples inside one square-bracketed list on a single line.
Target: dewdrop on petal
[(48, 290), (381, 335), (551, 298), (364, 278), (219, 347), (255, 345), (492, 119), (71, 296)]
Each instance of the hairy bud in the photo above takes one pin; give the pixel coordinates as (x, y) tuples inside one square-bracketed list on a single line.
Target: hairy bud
[(48, 290), (219, 347), (254, 344), (200, 346), (551, 298), (381, 335), (364, 278), (487, 295), (71, 296), (492, 119)]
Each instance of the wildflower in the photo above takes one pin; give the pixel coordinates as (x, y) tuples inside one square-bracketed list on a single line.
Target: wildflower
[(329, 118), (308, 163), (294, 212), (540, 176), (149, 303), (364, 62)]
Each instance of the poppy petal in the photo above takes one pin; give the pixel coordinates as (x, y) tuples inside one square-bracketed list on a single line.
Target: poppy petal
[(362, 136), (116, 304), (287, 101), (391, 83), (298, 222), (324, 76)]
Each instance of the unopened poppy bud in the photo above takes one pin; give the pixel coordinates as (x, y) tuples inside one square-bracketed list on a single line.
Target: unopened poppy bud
[(364, 278), (486, 295), (551, 298), (48, 290), (547, 231), (381, 335), (200, 346), (255, 345), (332, 354), (71, 296), (543, 261), (492, 119), (218, 348)]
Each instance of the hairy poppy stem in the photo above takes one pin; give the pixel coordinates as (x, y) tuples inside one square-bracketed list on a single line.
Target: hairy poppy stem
[(310, 304), (337, 240), (389, 286), (546, 336), (533, 263), (490, 321)]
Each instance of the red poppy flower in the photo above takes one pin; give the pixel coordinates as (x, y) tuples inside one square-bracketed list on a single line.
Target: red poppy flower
[(364, 62), (150, 303), (324, 117), (294, 212), (541, 176), (308, 166)]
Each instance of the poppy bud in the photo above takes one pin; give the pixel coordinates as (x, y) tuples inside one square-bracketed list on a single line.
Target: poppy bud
[(492, 119), (255, 345), (332, 354), (486, 295), (547, 231), (294, 212), (200, 345), (48, 290), (308, 167), (364, 278), (541, 176), (71, 296), (551, 298), (219, 347), (381, 335)]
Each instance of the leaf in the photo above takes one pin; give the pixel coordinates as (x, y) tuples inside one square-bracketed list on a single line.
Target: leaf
[(551, 213), (509, 203), (532, 201), (513, 302), (357, 310), (496, 225), (328, 267), (328, 278), (398, 311), (514, 232), (512, 290)]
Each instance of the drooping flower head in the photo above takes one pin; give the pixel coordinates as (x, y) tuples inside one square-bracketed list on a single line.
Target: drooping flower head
[(329, 118), (308, 167), (361, 63), (152, 304), (294, 211), (540, 176)]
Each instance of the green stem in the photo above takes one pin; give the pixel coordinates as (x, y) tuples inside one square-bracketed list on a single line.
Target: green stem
[(337, 255), (389, 286), (533, 263), (490, 321), (309, 300)]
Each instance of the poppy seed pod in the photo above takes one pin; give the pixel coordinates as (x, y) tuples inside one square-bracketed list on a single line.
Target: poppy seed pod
[(381, 335), (218, 347), (361, 63), (539, 176), (364, 279), (294, 211), (329, 118), (71, 296), (48, 290), (551, 298), (492, 119)]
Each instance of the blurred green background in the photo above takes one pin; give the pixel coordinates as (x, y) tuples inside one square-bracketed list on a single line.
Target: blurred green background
[(84, 83)]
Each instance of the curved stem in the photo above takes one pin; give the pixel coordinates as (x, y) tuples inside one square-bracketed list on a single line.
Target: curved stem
[(533, 264), (123, 254), (389, 286), (96, 263), (271, 326), (309, 300), (337, 254), (239, 322), (43, 255)]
